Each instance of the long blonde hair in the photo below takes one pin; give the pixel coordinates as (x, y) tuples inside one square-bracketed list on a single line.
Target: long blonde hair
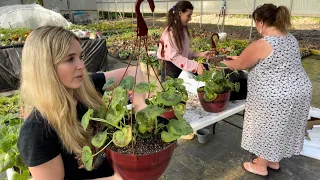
[(41, 89)]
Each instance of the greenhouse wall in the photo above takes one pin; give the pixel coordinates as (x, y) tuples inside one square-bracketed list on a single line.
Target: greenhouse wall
[(297, 7), (9, 2)]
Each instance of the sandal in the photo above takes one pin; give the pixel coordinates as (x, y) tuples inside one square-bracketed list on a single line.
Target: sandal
[(251, 170), (270, 168)]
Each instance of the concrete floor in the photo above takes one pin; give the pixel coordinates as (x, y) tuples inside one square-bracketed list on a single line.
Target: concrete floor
[(221, 158)]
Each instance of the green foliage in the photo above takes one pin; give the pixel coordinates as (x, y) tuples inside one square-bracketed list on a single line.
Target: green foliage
[(10, 125), (216, 82), (152, 61), (13, 36), (117, 127), (9, 105)]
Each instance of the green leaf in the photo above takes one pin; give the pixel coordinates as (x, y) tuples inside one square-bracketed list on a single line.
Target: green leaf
[(179, 127), (86, 118), (127, 82), (210, 97), (143, 128), (179, 109), (179, 81), (168, 137), (24, 176), (144, 87), (169, 99), (148, 115), (87, 158), (7, 161), (146, 135), (19, 163), (122, 137), (237, 86), (99, 139), (114, 116), (108, 83), (119, 96)]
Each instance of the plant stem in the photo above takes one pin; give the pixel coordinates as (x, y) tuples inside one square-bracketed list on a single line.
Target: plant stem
[(101, 120), (102, 148), (156, 128)]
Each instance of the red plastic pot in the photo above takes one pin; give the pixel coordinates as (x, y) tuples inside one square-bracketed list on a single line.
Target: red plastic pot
[(217, 105), (169, 115), (141, 167)]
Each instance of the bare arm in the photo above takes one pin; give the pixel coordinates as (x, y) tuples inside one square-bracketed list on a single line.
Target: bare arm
[(54, 170), (139, 98), (51, 170), (250, 56)]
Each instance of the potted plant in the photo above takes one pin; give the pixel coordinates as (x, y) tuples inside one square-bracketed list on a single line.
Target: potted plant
[(10, 125), (214, 96), (138, 146), (124, 54), (173, 98)]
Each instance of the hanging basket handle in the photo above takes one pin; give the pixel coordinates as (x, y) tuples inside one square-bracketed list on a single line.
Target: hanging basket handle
[(213, 43)]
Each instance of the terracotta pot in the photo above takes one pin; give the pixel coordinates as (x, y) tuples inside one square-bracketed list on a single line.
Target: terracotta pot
[(143, 167), (169, 115), (217, 105)]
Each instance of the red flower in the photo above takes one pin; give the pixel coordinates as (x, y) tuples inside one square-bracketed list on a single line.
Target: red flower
[(181, 65), (193, 71)]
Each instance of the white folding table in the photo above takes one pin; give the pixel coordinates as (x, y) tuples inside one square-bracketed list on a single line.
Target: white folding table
[(195, 114)]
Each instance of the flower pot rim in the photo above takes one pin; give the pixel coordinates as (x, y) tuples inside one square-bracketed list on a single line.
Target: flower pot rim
[(206, 130), (216, 93), (131, 155)]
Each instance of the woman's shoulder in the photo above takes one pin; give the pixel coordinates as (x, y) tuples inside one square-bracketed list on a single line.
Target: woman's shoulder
[(36, 128), (38, 142)]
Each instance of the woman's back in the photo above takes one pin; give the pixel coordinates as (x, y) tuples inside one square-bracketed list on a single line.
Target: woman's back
[(282, 68)]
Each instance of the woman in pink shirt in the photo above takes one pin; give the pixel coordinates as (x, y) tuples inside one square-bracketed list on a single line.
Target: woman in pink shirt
[(174, 46)]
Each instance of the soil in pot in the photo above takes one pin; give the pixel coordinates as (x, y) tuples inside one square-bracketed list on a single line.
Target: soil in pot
[(217, 105), (142, 146)]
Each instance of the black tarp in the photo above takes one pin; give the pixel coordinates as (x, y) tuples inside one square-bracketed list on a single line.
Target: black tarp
[(95, 58)]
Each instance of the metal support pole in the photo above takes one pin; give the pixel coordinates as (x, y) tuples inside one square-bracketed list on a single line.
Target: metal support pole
[(167, 5), (153, 19), (224, 14), (254, 7), (132, 7), (201, 13), (115, 5), (123, 9), (108, 4), (291, 5)]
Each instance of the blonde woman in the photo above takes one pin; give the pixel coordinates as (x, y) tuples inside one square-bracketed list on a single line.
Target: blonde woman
[(279, 92), (57, 87)]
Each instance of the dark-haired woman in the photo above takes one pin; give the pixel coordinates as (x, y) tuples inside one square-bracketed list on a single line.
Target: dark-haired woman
[(279, 91), (174, 46)]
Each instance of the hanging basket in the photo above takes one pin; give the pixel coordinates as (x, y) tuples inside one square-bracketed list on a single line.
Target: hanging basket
[(141, 167)]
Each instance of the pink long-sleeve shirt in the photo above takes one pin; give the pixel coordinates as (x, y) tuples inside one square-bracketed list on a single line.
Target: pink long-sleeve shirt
[(169, 51)]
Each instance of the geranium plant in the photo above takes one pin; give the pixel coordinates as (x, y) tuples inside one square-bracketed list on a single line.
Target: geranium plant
[(216, 82), (120, 127)]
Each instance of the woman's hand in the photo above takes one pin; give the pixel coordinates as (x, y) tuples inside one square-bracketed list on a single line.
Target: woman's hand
[(207, 54), (231, 58), (200, 69)]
